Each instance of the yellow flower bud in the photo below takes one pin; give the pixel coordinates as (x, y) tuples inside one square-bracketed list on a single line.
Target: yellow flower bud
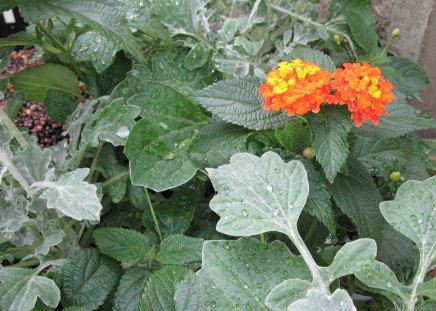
[(395, 33), (337, 39), (395, 176), (308, 152)]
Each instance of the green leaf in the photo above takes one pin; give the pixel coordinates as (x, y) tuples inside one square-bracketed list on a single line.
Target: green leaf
[(174, 214), (14, 103), (33, 162), (287, 292), (20, 288), (157, 147), (197, 57), (252, 48), (189, 294), (358, 197), (179, 249), (113, 124), (314, 56), (412, 213), (88, 279), (94, 48), (317, 300), (401, 119), (59, 105), (102, 15), (294, 136), (361, 7), (52, 234), (239, 102), (217, 142), (20, 38), (428, 289), (350, 259), (8, 4), (405, 75), (363, 34), (255, 269), (129, 289), (160, 291), (270, 200), (36, 81), (4, 58), (330, 129), (71, 196), (125, 245)]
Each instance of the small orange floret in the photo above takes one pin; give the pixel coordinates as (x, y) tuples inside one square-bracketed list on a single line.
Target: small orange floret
[(297, 87), (364, 89)]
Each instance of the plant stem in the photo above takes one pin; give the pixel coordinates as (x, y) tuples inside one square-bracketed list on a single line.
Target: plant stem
[(95, 162), (310, 262), (24, 264), (156, 224), (10, 126), (79, 156), (4, 159), (422, 269), (262, 237), (315, 24), (87, 236), (388, 44), (114, 179)]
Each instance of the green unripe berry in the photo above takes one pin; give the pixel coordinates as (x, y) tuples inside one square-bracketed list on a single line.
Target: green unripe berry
[(395, 176), (337, 39), (395, 33), (308, 152)]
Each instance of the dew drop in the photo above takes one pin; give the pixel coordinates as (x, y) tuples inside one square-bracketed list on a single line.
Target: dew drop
[(259, 285), (269, 188), (389, 284), (244, 212), (123, 132)]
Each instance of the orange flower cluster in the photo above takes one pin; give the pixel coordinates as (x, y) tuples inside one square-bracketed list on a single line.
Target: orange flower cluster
[(364, 89), (299, 87)]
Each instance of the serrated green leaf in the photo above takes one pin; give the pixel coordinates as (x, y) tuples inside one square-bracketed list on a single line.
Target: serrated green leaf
[(358, 197), (157, 146), (14, 103), (216, 143), (88, 279), (428, 289), (330, 129), (20, 288), (317, 300), (4, 58), (160, 291), (271, 199), (363, 34), (71, 196), (59, 105), (94, 48), (111, 168), (125, 245), (255, 270), (294, 136), (36, 81), (401, 119), (173, 214), (361, 7), (405, 75), (314, 56), (129, 289), (102, 15), (179, 249), (113, 124), (239, 102)]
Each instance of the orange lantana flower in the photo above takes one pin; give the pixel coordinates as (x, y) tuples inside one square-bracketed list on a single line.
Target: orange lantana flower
[(364, 89), (297, 87)]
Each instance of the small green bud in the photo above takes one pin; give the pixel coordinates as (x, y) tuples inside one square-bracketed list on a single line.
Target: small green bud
[(395, 33), (395, 176), (337, 39), (308, 152)]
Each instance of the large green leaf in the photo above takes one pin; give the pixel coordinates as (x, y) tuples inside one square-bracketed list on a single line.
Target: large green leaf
[(20, 288), (255, 269), (265, 194), (88, 279), (294, 136), (33, 162), (162, 291), (129, 289), (20, 38), (125, 245), (59, 105), (14, 103), (179, 249), (239, 102), (71, 196), (363, 34), (428, 289), (358, 197), (314, 56), (319, 301), (113, 124), (104, 16), (157, 146), (330, 128), (36, 81)]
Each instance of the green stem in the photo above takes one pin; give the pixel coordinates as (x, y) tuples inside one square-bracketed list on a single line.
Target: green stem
[(308, 126), (27, 263), (87, 237), (95, 162), (10, 126), (315, 24), (4, 159), (262, 238), (388, 44), (156, 224), (79, 156), (114, 179)]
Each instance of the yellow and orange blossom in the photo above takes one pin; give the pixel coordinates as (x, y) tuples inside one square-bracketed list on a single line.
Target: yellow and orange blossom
[(297, 87), (364, 89)]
